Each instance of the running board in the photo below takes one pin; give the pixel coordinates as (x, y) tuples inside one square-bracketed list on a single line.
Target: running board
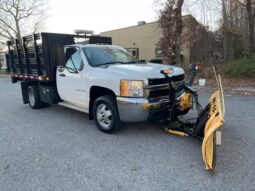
[(74, 106)]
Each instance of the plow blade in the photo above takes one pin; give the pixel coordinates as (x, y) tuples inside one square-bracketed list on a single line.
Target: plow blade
[(214, 122)]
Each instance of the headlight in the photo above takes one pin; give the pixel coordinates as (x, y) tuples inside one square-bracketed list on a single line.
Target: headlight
[(131, 88)]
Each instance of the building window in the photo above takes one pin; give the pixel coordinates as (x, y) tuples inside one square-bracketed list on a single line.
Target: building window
[(134, 52), (158, 53)]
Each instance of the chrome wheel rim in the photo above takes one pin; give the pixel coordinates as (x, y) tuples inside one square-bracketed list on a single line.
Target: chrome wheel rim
[(31, 97), (104, 116)]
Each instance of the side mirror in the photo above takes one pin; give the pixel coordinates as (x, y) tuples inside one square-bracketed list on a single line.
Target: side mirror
[(195, 67), (60, 69)]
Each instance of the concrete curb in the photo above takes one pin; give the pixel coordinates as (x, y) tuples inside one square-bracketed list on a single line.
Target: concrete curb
[(244, 91), (4, 76)]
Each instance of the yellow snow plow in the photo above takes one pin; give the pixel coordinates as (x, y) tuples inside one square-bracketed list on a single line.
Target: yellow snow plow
[(214, 122), (210, 118)]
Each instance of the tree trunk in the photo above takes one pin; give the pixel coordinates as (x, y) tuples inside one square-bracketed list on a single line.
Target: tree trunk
[(224, 28), (251, 26), (171, 24), (18, 34), (179, 28)]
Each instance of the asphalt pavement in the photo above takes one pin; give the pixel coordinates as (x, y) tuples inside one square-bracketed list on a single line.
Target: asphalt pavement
[(57, 148)]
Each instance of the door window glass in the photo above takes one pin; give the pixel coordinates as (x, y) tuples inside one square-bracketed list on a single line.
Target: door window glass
[(73, 60)]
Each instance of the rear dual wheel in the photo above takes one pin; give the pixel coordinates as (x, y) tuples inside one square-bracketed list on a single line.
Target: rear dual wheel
[(34, 98)]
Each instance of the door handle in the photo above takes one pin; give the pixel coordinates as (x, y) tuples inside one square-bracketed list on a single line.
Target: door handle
[(62, 75)]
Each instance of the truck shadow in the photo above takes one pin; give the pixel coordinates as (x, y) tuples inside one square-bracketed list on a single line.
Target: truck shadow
[(127, 128)]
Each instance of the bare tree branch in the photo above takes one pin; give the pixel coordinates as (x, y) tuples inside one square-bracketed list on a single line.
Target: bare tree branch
[(6, 25), (240, 13), (4, 32), (17, 16)]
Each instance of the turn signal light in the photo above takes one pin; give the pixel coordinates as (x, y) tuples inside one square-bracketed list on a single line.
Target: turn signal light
[(195, 67), (199, 67), (167, 71), (44, 78)]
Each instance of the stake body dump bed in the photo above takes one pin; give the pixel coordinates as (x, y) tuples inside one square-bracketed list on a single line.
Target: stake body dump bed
[(35, 57)]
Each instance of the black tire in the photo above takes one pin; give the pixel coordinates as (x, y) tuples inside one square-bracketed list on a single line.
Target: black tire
[(110, 103), (34, 99)]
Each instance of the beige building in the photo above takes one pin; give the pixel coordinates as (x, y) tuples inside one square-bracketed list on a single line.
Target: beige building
[(142, 40)]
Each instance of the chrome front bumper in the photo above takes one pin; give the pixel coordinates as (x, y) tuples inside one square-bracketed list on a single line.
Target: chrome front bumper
[(138, 109)]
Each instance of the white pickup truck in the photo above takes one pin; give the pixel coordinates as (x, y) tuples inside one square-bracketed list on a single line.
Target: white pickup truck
[(110, 85), (97, 78)]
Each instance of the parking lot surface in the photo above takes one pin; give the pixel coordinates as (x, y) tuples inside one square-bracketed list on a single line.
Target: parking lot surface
[(56, 148)]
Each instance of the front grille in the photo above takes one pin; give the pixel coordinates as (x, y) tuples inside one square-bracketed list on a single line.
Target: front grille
[(153, 93), (178, 78), (161, 81), (158, 88), (157, 81)]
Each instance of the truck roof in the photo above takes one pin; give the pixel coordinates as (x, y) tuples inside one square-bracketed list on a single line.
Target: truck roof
[(92, 45)]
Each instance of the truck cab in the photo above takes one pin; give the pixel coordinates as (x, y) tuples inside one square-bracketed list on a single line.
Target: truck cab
[(102, 80)]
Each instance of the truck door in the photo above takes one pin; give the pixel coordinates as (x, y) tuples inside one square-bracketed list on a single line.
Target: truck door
[(71, 82)]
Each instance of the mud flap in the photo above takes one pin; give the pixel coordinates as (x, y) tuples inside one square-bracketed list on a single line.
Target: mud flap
[(214, 122)]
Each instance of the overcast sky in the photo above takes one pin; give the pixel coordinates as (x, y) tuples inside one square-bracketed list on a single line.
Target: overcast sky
[(102, 15), (98, 15)]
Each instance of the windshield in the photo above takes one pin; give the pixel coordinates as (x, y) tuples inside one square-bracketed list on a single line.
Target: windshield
[(102, 55)]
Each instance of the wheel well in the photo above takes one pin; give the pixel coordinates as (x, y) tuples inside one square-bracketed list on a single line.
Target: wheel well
[(95, 92)]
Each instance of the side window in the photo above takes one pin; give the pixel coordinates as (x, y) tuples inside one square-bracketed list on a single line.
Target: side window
[(73, 61)]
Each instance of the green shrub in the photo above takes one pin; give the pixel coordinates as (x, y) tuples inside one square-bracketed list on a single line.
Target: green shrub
[(244, 67), (3, 71)]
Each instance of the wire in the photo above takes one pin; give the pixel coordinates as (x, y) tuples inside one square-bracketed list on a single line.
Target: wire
[(171, 110), (198, 106)]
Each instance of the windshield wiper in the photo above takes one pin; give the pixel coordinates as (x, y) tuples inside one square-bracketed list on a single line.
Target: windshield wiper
[(71, 69), (131, 62), (115, 62), (108, 63), (134, 62)]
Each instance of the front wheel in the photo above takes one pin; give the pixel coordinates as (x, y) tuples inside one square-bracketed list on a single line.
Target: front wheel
[(106, 115)]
